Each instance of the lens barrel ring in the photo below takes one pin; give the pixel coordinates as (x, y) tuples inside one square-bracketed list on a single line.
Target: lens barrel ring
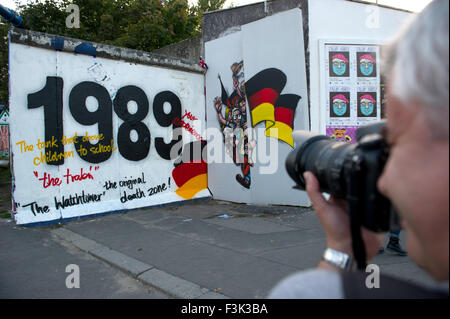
[(294, 160)]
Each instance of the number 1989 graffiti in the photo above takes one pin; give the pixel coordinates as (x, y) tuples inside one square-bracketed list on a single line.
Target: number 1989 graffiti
[(51, 98)]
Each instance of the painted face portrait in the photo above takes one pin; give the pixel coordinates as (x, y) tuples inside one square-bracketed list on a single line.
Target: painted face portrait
[(237, 116), (366, 64), (339, 67), (367, 106), (339, 107), (339, 64), (242, 106)]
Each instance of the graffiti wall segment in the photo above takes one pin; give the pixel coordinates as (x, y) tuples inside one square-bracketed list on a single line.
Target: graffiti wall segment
[(258, 137), (86, 144)]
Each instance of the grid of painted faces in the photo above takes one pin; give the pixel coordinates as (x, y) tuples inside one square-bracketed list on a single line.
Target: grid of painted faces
[(366, 69)]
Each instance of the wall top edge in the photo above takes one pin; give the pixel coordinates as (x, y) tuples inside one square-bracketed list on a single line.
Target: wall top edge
[(77, 46)]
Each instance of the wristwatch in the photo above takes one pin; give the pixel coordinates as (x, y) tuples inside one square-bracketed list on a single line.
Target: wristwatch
[(338, 259)]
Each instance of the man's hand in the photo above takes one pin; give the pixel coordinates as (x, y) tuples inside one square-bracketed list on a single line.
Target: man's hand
[(335, 220)]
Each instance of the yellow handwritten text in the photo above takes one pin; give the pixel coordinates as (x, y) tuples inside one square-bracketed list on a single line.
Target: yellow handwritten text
[(24, 147), (51, 157), (103, 148)]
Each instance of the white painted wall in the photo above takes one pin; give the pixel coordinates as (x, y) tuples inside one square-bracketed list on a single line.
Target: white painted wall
[(343, 21), (29, 68)]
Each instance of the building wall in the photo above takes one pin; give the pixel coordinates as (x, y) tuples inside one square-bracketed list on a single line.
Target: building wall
[(215, 23), (344, 21), (189, 49)]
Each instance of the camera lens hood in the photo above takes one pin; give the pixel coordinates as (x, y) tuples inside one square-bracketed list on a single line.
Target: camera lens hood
[(293, 161)]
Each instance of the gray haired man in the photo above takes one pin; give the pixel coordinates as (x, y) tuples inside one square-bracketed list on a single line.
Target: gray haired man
[(415, 178)]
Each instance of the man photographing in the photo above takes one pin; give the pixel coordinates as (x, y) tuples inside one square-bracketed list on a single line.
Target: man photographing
[(415, 178)]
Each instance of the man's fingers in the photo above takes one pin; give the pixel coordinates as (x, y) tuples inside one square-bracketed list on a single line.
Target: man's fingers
[(313, 190)]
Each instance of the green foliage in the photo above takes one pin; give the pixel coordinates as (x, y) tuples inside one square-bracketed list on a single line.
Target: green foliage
[(155, 23), (137, 24), (5, 175), (209, 5)]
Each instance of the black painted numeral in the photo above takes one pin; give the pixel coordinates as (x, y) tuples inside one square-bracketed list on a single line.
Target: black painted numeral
[(90, 152), (51, 98), (138, 150), (100, 150), (165, 120)]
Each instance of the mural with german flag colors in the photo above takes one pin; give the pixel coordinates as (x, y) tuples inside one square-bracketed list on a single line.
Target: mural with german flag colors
[(190, 173), (268, 105), (256, 95), (110, 136)]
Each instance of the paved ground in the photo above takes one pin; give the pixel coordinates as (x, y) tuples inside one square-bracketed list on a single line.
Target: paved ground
[(33, 265), (188, 251)]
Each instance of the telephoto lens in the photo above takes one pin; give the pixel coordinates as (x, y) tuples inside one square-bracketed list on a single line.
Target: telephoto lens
[(322, 156), (347, 170)]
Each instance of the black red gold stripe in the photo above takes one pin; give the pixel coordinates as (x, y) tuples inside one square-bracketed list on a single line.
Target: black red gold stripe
[(191, 173), (263, 90), (284, 118)]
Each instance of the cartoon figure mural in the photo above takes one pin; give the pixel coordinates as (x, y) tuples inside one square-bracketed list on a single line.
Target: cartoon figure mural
[(339, 64), (367, 105), (366, 64), (233, 122), (266, 105), (340, 104), (268, 114)]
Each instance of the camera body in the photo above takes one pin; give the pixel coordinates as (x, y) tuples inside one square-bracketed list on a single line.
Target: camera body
[(347, 171)]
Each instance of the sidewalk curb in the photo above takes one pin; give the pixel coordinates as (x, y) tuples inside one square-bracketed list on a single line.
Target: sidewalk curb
[(148, 274)]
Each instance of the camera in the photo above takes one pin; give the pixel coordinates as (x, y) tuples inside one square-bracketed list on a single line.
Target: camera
[(347, 170)]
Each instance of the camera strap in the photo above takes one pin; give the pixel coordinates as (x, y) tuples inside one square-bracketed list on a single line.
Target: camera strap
[(354, 195)]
